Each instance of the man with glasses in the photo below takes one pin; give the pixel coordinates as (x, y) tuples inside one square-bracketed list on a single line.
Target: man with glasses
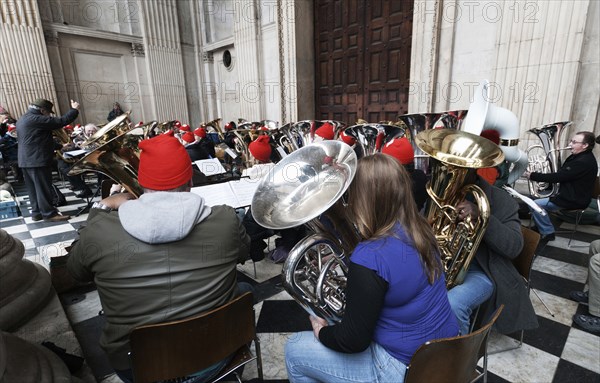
[(576, 178)]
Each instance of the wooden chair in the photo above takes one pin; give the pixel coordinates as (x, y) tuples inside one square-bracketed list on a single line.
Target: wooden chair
[(523, 263), (180, 348), (452, 359)]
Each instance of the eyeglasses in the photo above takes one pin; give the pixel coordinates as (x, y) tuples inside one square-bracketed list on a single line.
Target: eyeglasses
[(575, 142)]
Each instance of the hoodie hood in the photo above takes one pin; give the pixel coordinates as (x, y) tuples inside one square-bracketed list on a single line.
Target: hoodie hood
[(163, 217)]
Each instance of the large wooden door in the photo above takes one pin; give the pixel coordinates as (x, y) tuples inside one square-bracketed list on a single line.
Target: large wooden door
[(362, 50)]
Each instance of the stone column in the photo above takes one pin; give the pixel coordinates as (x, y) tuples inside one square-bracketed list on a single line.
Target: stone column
[(246, 35), (25, 73), (164, 59)]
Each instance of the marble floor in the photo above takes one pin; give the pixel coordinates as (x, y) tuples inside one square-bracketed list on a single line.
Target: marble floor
[(558, 351)]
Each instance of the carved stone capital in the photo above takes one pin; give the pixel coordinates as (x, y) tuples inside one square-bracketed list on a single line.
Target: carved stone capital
[(207, 57), (137, 50)]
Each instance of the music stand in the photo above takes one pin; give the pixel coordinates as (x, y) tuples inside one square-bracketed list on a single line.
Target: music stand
[(90, 200)]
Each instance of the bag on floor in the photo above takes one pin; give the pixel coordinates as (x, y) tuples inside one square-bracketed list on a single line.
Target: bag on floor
[(58, 198)]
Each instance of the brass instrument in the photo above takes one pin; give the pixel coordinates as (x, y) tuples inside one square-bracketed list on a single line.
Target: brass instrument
[(546, 157), (416, 123), (371, 138), (453, 154), (109, 131), (119, 157), (303, 186), (216, 126), (63, 137)]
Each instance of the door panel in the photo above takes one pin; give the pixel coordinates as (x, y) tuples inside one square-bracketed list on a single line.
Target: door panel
[(363, 59)]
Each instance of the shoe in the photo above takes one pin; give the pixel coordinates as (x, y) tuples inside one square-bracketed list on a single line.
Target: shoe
[(58, 218), (547, 238), (589, 323), (84, 194), (36, 217), (582, 297)]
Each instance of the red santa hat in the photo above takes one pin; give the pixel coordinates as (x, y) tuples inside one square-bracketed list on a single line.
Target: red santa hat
[(200, 132), (230, 125), (185, 128), (11, 127), (188, 137), (164, 163), (260, 148), (491, 135), (325, 131), (68, 127), (401, 149)]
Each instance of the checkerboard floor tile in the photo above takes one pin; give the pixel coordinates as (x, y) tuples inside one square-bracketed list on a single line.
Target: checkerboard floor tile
[(558, 351)]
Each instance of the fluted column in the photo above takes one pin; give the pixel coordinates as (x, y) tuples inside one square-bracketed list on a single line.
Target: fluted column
[(246, 34), (164, 59), (25, 69)]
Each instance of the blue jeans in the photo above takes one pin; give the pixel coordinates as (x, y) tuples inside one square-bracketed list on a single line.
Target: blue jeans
[(307, 360), (543, 223), (464, 299)]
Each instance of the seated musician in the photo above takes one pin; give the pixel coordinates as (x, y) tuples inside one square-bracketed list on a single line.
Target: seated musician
[(162, 257), (396, 293), (492, 280), (261, 150), (402, 150), (198, 146), (576, 178)]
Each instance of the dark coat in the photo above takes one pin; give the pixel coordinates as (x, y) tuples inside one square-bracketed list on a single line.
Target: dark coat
[(501, 243), (576, 178), (34, 132), (419, 183), (9, 148)]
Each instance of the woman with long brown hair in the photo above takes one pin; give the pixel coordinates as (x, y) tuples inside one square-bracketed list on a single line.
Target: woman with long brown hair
[(396, 293)]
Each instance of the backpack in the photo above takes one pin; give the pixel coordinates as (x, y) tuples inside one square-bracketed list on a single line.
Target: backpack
[(58, 198)]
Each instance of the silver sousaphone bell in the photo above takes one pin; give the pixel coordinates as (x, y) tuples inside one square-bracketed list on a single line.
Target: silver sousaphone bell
[(300, 188)]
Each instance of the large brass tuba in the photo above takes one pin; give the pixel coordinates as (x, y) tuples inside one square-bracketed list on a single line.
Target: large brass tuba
[(453, 154), (301, 187), (546, 157), (119, 157)]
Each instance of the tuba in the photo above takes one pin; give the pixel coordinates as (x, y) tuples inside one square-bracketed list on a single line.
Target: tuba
[(545, 157), (119, 157), (62, 136), (305, 185), (418, 122), (113, 129), (453, 154)]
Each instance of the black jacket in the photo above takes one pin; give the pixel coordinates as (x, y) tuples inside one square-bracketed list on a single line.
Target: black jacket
[(34, 133), (576, 177)]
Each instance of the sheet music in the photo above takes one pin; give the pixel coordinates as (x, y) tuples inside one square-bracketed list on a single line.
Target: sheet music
[(525, 199), (74, 153), (217, 194), (210, 167), (236, 194), (244, 189)]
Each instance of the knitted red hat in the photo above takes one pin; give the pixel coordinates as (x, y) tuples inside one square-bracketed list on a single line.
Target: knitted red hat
[(325, 131), (348, 139), (188, 137), (200, 132), (260, 148), (185, 127), (401, 149), (491, 135), (68, 127), (164, 163), (230, 125), (12, 127)]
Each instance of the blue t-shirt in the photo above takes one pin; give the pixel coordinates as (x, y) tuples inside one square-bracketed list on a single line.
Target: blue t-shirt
[(414, 311)]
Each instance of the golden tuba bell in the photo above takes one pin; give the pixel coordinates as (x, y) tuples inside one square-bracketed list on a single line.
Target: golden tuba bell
[(303, 186), (119, 157), (453, 154)]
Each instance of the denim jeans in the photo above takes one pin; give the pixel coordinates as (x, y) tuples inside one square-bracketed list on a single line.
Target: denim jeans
[(464, 299), (543, 222), (307, 360)]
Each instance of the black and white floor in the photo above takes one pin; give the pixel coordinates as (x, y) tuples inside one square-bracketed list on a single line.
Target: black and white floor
[(558, 351)]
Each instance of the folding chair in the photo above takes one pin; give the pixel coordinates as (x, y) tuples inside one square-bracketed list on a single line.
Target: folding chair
[(180, 348), (452, 359)]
